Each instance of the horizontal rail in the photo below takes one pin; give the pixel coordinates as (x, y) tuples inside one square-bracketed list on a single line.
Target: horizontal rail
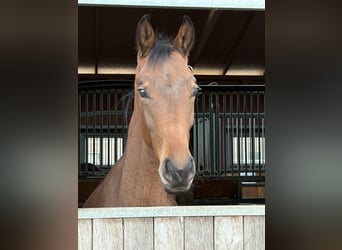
[(128, 84), (104, 84), (142, 212), (195, 4)]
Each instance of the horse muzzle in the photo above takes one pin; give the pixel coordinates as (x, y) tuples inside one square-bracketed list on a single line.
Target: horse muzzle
[(177, 179)]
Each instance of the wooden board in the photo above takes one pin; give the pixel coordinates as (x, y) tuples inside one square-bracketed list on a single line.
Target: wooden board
[(85, 234), (199, 233), (228, 232), (254, 232), (107, 234), (168, 233), (138, 233)]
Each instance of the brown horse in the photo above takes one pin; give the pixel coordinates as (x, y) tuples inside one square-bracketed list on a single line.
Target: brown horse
[(157, 162)]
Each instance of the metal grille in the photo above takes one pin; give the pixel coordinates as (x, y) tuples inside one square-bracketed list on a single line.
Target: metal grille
[(228, 136), (104, 114), (229, 131)]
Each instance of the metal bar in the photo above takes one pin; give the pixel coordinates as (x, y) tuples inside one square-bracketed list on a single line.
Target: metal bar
[(197, 133), (129, 84), (204, 133), (238, 132), (79, 131), (263, 136), (86, 133), (101, 129), (211, 134), (231, 133), (116, 125), (252, 129), (224, 136), (245, 130), (123, 120), (259, 138), (94, 131), (217, 135), (193, 4), (250, 139)]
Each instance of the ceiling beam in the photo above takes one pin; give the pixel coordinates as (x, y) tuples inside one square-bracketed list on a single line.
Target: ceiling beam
[(240, 37), (208, 27), (194, 4)]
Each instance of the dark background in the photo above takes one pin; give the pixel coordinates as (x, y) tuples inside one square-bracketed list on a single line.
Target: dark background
[(39, 149)]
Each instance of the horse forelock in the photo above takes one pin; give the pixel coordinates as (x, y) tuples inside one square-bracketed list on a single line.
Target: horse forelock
[(161, 50)]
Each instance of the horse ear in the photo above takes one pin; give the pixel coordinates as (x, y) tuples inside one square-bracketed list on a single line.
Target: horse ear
[(144, 36), (186, 36)]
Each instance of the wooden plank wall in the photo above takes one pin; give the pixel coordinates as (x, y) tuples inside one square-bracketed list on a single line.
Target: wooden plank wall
[(177, 232)]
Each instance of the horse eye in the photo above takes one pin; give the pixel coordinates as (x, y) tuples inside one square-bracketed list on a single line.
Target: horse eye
[(143, 92), (195, 91)]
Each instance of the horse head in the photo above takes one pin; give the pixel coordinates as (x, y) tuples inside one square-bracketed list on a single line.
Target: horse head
[(165, 91)]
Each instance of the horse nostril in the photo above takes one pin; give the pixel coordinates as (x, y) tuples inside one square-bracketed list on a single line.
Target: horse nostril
[(178, 177), (168, 172), (191, 166)]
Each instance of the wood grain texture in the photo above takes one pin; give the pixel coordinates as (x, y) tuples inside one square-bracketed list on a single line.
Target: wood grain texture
[(228, 232), (85, 234), (169, 233), (107, 234), (216, 227), (138, 233), (254, 232), (199, 233)]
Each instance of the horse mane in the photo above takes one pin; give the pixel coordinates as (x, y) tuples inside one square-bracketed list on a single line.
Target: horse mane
[(127, 101), (161, 49)]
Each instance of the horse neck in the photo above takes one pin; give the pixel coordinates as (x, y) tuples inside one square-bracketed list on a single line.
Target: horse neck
[(136, 148), (141, 184)]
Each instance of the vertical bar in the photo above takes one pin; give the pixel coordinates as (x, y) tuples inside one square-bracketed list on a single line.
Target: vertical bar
[(217, 135), (123, 132), (211, 134), (101, 131), (231, 133), (259, 139), (108, 129), (252, 132), (250, 154), (204, 134), (79, 131), (116, 110), (86, 133), (224, 150), (197, 133), (94, 132), (238, 132), (245, 129), (122, 122)]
